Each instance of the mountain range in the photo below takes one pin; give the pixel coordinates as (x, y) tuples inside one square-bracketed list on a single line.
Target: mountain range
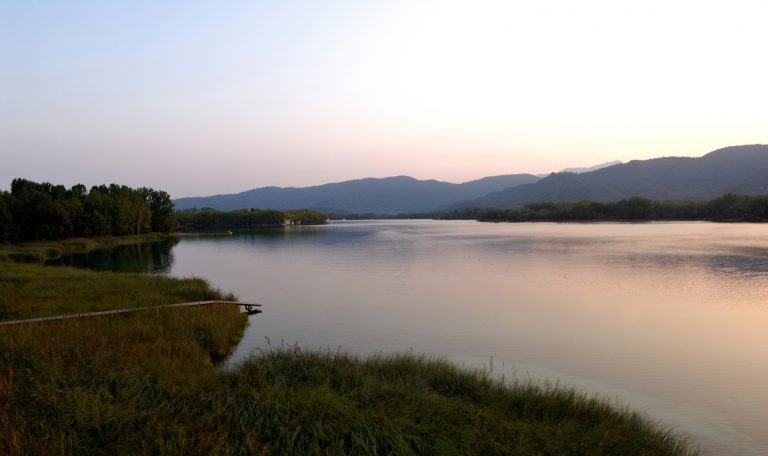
[(389, 195), (736, 169)]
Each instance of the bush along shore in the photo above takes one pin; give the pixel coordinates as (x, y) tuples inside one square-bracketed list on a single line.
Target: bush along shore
[(148, 383), (209, 219), (726, 208)]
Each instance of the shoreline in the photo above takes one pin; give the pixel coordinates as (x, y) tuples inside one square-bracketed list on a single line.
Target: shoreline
[(169, 388), (41, 251)]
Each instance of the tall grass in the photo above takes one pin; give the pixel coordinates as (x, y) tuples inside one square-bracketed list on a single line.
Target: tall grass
[(405, 404), (93, 385), (28, 290), (289, 402)]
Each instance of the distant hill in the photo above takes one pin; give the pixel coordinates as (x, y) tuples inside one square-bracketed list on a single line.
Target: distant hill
[(737, 169), (591, 168), (388, 195)]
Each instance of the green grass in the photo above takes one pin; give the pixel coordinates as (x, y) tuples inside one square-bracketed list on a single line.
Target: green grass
[(404, 404), (29, 290), (147, 383), (79, 386)]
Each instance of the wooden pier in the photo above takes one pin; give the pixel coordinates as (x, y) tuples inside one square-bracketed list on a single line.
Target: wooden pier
[(250, 309)]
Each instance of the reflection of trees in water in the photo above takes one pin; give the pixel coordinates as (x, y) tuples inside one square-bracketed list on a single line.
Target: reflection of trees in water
[(271, 236), (717, 258), (282, 232), (153, 257)]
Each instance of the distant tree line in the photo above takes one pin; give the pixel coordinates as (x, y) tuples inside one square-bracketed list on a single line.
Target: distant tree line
[(208, 219), (377, 216), (34, 211), (729, 207)]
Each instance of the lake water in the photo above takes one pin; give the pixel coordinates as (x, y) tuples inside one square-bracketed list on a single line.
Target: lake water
[(670, 318)]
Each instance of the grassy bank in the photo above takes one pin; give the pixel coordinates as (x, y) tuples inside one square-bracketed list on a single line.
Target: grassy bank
[(402, 404), (81, 386), (287, 402), (29, 290), (40, 251), (146, 383)]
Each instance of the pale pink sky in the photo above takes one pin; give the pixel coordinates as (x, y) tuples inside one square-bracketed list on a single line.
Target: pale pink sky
[(198, 98)]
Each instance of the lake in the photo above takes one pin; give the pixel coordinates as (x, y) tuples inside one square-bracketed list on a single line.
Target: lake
[(670, 318)]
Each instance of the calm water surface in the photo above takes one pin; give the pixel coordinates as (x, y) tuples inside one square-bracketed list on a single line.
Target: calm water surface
[(670, 318)]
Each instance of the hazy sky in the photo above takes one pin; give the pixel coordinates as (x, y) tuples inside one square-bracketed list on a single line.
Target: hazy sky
[(210, 97)]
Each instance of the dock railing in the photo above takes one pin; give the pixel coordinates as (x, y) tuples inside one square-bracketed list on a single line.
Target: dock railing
[(250, 309)]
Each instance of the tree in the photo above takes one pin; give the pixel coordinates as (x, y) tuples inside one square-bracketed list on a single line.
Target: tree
[(97, 222), (7, 226), (729, 207), (161, 207), (37, 211)]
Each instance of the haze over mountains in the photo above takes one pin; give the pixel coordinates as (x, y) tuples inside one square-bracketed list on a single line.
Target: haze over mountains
[(590, 168), (737, 169)]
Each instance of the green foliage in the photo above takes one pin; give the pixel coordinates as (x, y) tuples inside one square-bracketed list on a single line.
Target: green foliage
[(42, 211), (8, 229), (729, 207), (306, 217), (208, 219)]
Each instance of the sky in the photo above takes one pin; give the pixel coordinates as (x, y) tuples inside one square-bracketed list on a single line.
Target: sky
[(201, 98)]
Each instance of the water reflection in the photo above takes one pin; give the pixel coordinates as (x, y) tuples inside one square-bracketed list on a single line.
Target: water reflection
[(151, 257), (668, 317)]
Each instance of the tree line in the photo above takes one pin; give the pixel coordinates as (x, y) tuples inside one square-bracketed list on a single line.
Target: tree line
[(208, 219), (729, 207), (34, 211)]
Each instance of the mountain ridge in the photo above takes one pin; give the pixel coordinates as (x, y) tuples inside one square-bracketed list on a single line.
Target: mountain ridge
[(388, 195), (588, 169), (733, 169)]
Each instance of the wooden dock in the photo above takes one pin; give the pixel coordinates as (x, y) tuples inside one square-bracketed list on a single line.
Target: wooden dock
[(250, 309)]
